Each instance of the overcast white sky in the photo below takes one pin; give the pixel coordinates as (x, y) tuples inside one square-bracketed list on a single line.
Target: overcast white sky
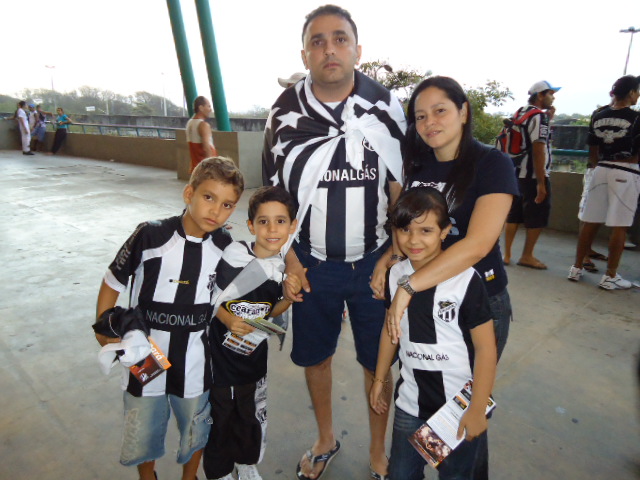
[(127, 45)]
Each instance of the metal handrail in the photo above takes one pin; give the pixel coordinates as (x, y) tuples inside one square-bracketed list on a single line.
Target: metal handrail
[(168, 133)]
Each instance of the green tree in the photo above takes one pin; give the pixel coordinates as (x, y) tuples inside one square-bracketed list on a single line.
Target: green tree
[(400, 81), (486, 126)]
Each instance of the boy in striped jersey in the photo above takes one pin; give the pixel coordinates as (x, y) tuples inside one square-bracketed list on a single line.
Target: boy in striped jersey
[(172, 263), (447, 336)]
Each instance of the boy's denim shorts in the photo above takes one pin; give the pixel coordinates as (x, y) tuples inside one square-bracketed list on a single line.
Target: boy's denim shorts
[(317, 320), (145, 426)]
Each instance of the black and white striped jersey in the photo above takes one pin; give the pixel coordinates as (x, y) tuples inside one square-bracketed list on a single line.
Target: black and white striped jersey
[(337, 163), (436, 352), (538, 131), (173, 276)]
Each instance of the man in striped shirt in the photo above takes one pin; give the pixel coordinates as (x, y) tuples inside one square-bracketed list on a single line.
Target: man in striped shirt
[(333, 141)]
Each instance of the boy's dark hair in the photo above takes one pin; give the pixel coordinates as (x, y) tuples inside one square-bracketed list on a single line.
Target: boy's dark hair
[(221, 169), (624, 86), (417, 201), (330, 10), (22, 103), (199, 102), (271, 194)]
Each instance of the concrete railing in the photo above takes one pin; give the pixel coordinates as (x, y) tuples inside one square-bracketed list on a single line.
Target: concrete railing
[(245, 148)]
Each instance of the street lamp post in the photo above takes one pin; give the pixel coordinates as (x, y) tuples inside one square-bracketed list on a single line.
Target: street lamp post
[(630, 30), (52, 68), (164, 98)]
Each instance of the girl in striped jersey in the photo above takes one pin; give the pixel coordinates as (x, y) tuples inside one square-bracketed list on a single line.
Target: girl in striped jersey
[(447, 337)]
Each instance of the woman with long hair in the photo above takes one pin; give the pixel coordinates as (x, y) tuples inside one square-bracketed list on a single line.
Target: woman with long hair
[(612, 193), (479, 184)]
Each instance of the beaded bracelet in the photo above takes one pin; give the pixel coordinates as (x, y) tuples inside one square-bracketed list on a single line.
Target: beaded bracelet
[(398, 257), (381, 381)]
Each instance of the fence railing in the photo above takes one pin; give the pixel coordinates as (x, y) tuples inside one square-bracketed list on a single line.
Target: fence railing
[(565, 160), (166, 133)]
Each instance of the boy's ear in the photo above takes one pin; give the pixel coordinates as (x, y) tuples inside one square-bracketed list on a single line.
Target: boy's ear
[(445, 232), (187, 194), (294, 225), (250, 227)]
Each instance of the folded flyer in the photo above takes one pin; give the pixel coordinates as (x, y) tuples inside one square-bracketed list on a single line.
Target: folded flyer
[(246, 344), (152, 366), (435, 440), (266, 325)]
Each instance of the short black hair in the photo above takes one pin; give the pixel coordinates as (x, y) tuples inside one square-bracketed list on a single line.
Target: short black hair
[(199, 102), (271, 194), (624, 86), (330, 10), (417, 201), (22, 103)]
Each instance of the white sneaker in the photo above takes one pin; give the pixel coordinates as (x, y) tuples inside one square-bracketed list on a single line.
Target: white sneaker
[(248, 472), (226, 477), (574, 274), (615, 283)]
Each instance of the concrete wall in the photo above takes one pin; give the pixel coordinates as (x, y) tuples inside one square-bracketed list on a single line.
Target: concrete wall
[(245, 148), (9, 135), (151, 152), (566, 189)]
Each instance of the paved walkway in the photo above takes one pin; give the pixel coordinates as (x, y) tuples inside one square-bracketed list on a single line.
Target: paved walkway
[(566, 387)]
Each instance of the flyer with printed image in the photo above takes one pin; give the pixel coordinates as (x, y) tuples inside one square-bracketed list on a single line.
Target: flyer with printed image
[(152, 366), (436, 438)]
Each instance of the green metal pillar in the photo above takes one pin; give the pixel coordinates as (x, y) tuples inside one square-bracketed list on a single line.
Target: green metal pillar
[(182, 50), (213, 65)]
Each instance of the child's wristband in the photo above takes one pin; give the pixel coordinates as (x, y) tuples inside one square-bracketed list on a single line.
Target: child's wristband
[(397, 257)]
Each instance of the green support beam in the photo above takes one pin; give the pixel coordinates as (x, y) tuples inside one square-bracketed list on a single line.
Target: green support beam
[(213, 65), (182, 50)]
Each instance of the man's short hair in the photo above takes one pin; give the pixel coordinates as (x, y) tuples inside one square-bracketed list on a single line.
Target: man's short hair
[(330, 10), (220, 169), (199, 102), (22, 103), (271, 194)]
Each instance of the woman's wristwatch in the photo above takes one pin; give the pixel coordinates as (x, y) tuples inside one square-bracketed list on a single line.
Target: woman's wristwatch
[(403, 282)]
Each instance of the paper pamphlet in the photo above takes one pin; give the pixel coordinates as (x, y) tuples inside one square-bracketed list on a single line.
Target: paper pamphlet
[(247, 344), (266, 325), (435, 440), (244, 345), (152, 366)]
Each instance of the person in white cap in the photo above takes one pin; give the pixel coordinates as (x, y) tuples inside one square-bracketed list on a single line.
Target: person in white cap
[(534, 204), (292, 80)]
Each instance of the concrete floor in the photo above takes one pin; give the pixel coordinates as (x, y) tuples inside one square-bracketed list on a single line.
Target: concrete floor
[(566, 389)]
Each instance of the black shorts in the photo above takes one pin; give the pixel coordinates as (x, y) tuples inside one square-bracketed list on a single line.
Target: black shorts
[(524, 208)]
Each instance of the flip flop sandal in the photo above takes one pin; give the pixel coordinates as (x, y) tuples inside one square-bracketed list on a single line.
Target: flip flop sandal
[(590, 267), (325, 457), (377, 476), (538, 266), (598, 256)]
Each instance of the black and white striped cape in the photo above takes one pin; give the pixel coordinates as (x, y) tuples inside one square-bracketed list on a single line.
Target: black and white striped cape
[(301, 137)]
